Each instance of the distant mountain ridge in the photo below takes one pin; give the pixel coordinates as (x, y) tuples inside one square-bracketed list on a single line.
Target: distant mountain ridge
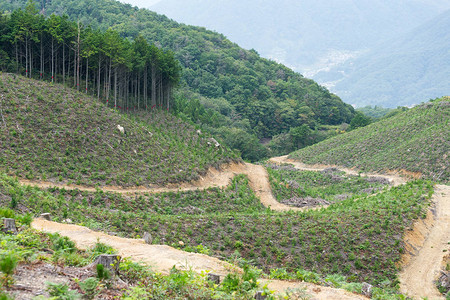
[(406, 70), (344, 45), (300, 33)]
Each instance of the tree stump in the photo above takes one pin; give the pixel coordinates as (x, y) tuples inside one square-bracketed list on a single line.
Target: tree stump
[(366, 289), (9, 226), (109, 261), (46, 216), (259, 295), (148, 238), (214, 278)]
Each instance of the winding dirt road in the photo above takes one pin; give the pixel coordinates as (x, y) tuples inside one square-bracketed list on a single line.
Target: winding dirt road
[(416, 278), (162, 258)]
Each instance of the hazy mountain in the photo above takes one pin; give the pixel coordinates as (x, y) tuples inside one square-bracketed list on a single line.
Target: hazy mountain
[(409, 69), (307, 35)]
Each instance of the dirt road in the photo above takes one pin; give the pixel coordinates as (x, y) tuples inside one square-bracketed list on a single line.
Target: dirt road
[(162, 258), (416, 278), (395, 180)]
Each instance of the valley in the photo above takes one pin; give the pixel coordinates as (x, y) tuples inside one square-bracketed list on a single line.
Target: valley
[(141, 158)]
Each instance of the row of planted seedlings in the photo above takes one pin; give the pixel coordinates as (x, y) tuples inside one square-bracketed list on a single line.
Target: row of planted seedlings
[(79, 142), (61, 271), (303, 188), (361, 240)]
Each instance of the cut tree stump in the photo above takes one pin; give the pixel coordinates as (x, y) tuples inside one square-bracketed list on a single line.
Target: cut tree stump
[(147, 238), (259, 295), (109, 261), (46, 216), (214, 278), (9, 226)]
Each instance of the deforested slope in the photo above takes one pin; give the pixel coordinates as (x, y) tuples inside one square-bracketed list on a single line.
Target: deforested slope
[(416, 141), (55, 134)]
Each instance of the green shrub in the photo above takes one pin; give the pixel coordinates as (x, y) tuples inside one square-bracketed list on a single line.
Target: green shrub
[(61, 292), (90, 287)]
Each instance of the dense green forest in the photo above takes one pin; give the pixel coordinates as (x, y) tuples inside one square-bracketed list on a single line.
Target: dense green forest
[(132, 75), (231, 91)]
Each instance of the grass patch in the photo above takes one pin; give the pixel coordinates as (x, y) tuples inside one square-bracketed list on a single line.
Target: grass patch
[(309, 188)]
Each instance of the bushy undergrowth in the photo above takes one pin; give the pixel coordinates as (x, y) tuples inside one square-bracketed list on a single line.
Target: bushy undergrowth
[(56, 134), (360, 238), (237, 197), (417, 140), (31, 248), (310, 188)]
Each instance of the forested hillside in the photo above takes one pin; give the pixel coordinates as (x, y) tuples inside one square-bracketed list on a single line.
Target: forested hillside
[(53, 133), (417, 140), (133, 75), (232, 91)]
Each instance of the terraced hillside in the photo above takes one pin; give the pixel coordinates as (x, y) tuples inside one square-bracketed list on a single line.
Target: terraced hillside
[(59, 135), (416, 141)]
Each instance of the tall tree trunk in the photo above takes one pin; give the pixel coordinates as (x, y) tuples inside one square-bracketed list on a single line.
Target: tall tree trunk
[(153, 85), (78, 56), (41, 75), (53, 60), (87, 73), (64, 66), (115, 86), (99, 80), (17, 57), (146, 87), (26, 57)]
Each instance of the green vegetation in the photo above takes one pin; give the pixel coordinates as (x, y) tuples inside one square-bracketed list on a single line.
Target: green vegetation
[(374, 112), (224, 87), (133, 75), (417, 140), (309, 188), (33, 251), (51, 133), (359, 237)]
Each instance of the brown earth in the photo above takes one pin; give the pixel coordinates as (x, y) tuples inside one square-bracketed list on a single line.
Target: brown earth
[(421, 263), (162, 258), (429, 242)]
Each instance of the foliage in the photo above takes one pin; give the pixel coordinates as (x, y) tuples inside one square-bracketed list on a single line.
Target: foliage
[(296, 188), (416, 141), (359, 120), (359, 237), (374, 112), (79, 141), (8, 264), (103, 273), (132, 72), (90, 287), (266, 95), (61, 292)]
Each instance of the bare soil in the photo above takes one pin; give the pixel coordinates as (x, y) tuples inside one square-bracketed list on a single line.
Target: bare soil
[(429, 243), (421, 263), (162, 258)]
